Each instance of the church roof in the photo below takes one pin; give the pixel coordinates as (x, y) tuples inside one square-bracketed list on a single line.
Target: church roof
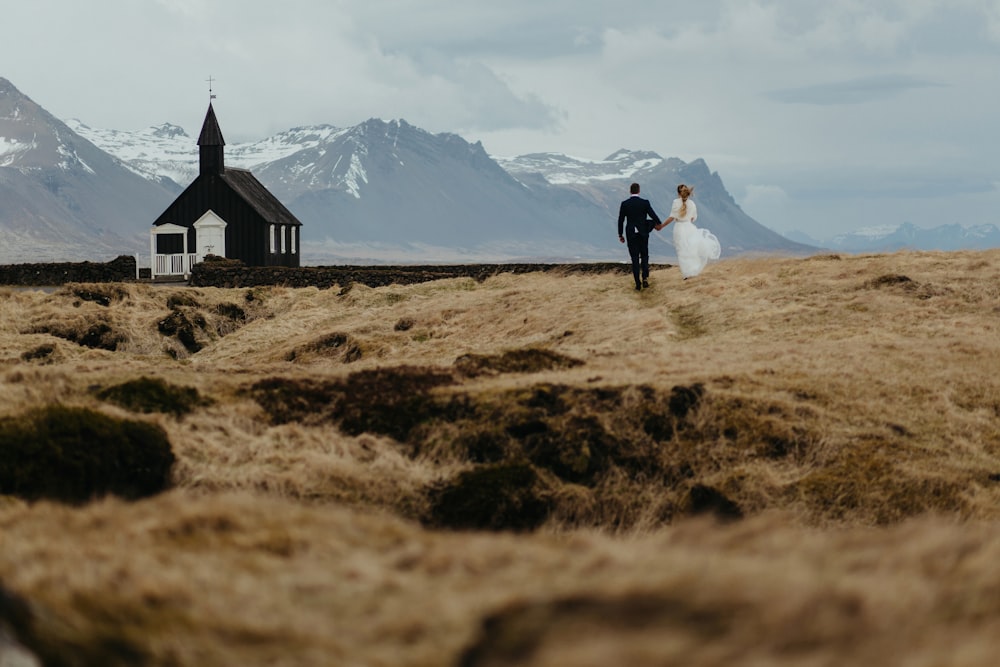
[(257, 196), (211, 135)]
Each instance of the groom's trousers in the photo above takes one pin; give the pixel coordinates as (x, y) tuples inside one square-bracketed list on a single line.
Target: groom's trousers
[(638, 250)]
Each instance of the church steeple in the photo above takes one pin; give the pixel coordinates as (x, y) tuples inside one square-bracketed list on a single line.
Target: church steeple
[(210, 145)]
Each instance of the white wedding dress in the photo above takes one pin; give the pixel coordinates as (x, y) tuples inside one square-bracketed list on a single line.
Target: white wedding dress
[(694, 246)]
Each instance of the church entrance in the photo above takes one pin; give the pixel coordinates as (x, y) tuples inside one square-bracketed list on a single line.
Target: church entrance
[(210, 236)]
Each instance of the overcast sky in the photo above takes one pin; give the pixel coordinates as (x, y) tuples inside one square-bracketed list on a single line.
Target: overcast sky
[(819, 115)]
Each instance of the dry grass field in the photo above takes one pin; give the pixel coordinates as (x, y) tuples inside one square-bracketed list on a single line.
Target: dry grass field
[(784, 461)]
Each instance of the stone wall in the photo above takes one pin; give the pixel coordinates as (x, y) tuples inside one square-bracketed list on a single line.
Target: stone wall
[(120, 269), (232, 273), (216, 272)]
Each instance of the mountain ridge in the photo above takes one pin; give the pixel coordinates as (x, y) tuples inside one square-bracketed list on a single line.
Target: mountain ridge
[(62, 197), (384, 190), (541, 169), (904, 236)]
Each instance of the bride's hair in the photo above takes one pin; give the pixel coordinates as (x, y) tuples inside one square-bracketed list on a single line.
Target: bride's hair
[(684, 191)]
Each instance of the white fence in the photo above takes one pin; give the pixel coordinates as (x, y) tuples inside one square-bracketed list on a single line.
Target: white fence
[(173, 265)]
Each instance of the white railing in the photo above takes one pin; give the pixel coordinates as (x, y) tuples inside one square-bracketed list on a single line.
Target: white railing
[(174, 265)]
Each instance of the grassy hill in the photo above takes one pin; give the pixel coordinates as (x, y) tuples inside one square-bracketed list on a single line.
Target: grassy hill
[(782, 461)]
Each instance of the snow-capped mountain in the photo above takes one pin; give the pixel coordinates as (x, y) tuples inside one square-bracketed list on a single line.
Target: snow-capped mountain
[(389, 183), (388, 191), (559, 169), (61, 197), (391, 191), (155, 153), (167, 151), (320, 169)]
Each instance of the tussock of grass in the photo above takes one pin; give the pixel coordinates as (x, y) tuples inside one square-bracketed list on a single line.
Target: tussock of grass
[(178, 300), (335, 345), (100, 294), (88, 331), (191, 332), (43, 353), (136, 318)]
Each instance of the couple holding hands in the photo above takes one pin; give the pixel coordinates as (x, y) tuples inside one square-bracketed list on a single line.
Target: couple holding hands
[(694, 246)]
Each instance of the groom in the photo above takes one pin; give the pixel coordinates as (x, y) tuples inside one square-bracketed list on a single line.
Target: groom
[(640, 218)]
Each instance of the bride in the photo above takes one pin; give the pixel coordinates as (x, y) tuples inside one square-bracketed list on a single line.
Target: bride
[(694, 246)]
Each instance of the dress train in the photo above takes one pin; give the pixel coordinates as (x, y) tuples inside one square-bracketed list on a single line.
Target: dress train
[(695, 247)]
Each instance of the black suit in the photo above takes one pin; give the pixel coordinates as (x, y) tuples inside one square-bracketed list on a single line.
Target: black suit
[(640, 218)]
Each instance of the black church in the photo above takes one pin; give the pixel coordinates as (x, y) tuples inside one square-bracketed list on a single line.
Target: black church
[(224, 212)]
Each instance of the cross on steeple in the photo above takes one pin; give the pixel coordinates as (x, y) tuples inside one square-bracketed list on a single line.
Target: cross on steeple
[(210, 95)]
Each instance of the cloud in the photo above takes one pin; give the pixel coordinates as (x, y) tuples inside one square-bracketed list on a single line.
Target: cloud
[(798, 105), (993, 21), (854, 91), (764, 196), (468, 95), (490, 104)]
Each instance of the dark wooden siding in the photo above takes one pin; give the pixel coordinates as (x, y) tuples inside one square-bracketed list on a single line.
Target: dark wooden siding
[(247, 230)]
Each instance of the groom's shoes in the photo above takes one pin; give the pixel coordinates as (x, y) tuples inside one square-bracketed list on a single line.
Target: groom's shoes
[(645, 283), (638, 287)]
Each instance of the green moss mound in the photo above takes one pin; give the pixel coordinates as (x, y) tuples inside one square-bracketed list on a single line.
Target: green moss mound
[(501, 497), (74, 454), (528, 360), (287, 400), (581, 436), (147, 394), (391, 401), (387, 401)]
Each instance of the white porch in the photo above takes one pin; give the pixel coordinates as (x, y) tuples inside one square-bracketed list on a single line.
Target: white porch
[(210, 235)]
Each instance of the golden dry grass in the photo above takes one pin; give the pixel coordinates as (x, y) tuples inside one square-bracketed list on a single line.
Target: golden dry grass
[(847, 408)]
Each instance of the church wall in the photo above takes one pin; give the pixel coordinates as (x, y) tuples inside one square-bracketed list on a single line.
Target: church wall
[(246, 230)]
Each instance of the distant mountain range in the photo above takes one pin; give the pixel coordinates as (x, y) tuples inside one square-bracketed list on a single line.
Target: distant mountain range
[(389, 191), (376, 192), (908, 236)]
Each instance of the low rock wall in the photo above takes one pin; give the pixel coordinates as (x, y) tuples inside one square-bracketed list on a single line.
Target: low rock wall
[(226, 273), (233, 273), (120, 269)]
